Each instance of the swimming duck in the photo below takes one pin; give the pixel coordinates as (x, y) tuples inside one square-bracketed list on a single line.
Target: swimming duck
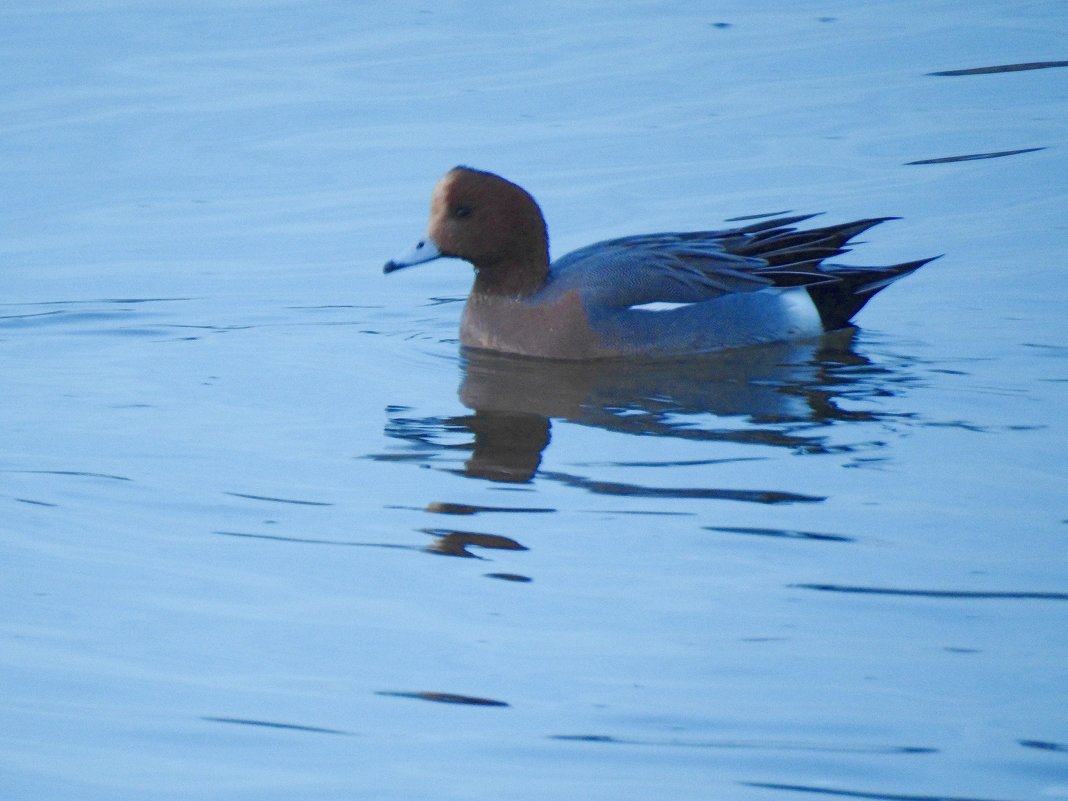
[(650, 295)]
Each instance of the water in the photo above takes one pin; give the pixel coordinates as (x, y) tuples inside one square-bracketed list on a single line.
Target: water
[(266, 533)]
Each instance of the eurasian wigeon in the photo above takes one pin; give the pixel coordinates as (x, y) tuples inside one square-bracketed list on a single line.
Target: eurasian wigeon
[(652, 295)]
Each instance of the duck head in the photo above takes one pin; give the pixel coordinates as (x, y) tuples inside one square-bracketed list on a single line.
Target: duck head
[(490, 222)]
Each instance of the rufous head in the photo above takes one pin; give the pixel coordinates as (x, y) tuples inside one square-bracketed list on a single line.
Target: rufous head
[(491, 223)]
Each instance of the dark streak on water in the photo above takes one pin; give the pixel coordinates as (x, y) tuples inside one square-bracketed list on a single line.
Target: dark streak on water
[(456, 543), (647, 512), (98, 300), (637, 491), (35, 503), (784, 533), (309, 541), (274, 725), (78, 473), (446, 508), (747, 745), (962, 594), (445, 698), (26, 316), (510, 577), (683, 463), (448, 543), (975, 156), (800, 788), (277, 500), (1033, 65), (1043, 745)]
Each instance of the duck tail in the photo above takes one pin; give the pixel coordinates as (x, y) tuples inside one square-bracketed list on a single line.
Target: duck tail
[(795, 257), (838, 300)]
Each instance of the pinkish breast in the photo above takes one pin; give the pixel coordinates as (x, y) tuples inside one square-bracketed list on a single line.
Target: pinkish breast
[(558, 330)]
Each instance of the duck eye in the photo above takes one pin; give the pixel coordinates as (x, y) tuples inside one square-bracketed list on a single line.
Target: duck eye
[(462, 211)]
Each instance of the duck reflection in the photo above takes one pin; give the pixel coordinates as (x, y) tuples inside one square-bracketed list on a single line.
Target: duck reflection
[(508, 444), (772, 395), (449, 542)]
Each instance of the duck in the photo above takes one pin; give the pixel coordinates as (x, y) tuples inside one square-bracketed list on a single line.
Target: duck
[(661, 295)]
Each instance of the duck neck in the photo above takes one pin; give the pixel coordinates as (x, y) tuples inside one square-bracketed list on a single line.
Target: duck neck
[(511, 278)]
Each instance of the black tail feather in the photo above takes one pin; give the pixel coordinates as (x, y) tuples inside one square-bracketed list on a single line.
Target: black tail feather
[(839, 300), (797, 258), (775, 223), (832, 235)]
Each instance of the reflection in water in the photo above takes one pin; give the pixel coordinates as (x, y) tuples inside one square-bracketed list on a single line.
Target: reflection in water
[(1023, 595), (871, 796), (774, 395), (448, 508), (446, 542), (517, 578), (508, 445), (759, 745), (770, 383), (271, 724), (1042, 745), (708, 493), (779, 532), (445, 698), (456, 543), (270, 499), (1031, 65), (998, 154)]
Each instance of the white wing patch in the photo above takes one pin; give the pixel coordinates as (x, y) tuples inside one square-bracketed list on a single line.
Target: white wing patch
[(660, 306)]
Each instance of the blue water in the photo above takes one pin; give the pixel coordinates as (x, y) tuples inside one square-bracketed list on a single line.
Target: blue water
[(266, 533)]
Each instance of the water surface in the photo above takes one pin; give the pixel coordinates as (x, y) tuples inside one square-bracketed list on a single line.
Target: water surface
[(266, 532)]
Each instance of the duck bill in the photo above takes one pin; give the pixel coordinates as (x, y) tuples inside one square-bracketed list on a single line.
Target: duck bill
[(422, 251)]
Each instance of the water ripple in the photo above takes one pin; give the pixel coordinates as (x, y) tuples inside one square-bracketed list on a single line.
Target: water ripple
[(1032, 65), (456, 543), (448, 508), (975, 156), (445, 698), (77, 473), (962, 594), (779, 532), (706, 493), (756, 745), (271, 499), (1043, 745), (270, 724), (801, 788), (516, 577)]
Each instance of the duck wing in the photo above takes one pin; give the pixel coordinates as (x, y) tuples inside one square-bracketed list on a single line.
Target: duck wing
[(695, 266)]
